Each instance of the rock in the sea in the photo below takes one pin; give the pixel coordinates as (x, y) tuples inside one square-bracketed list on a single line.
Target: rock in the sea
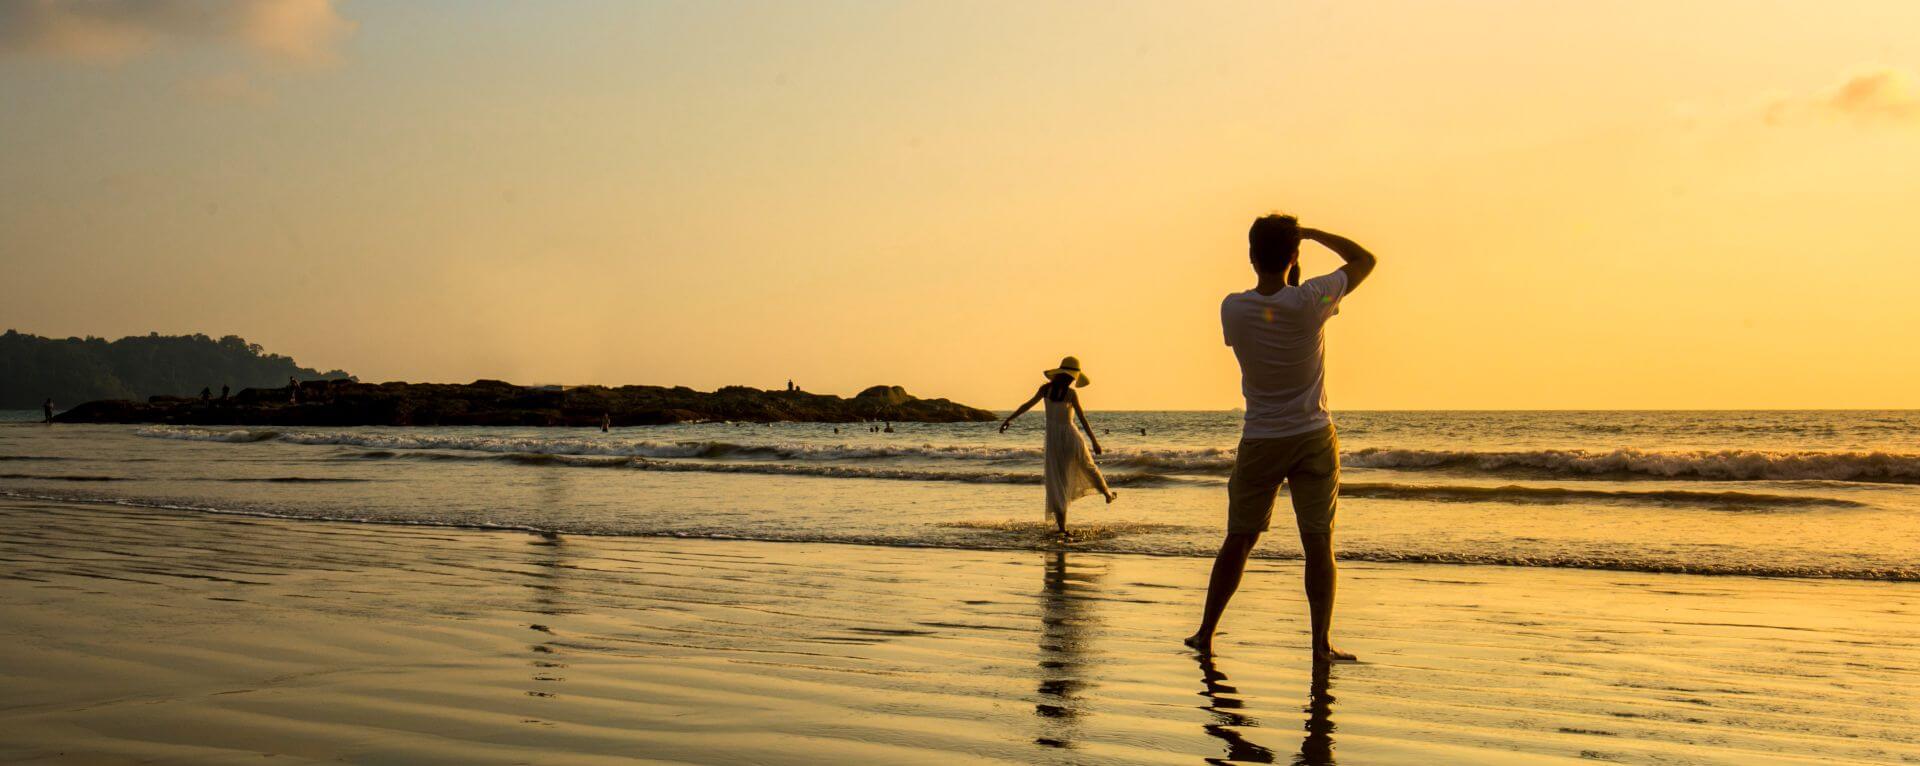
[(497, 403), (888, 394)]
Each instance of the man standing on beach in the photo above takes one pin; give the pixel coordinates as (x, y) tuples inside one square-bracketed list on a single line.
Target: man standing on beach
[(1275, 330)]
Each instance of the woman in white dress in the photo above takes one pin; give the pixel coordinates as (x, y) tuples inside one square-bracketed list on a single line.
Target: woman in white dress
[(1070, 472)]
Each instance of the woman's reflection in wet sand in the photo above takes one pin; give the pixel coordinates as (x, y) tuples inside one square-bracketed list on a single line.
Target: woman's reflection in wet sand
[(1067, 625)]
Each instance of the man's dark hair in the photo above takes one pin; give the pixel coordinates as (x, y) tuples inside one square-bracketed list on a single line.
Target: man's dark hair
[(1274, 242)]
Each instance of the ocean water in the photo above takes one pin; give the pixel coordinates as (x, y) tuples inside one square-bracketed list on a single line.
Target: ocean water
[(1766, 493)]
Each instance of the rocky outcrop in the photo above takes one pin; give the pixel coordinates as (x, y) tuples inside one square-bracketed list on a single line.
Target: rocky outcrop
[(497, 403)]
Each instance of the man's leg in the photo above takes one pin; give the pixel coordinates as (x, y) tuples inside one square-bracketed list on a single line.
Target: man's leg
[(1314, 484), (1228, 566), (1320, 586), (1250, 492)]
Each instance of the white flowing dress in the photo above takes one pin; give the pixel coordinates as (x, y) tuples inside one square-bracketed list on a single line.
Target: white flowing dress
[(1070, 472)]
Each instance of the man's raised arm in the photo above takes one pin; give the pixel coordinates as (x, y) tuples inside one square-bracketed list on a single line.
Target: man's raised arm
[(1359, 262)]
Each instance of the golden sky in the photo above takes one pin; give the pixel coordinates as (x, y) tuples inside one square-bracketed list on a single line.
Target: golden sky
[(1607, 205)]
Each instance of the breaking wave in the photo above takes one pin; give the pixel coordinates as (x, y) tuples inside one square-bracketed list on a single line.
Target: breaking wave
[(588, 446), (831, 471), (61, 477), (1515, 493), (1722, 465), (1624, 464)]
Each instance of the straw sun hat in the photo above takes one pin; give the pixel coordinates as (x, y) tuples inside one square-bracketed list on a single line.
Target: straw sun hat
[(1070, 366)]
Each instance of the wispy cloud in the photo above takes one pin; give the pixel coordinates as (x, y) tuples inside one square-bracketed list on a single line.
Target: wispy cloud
[(1877, 97), (1886, 94), (111, 31)]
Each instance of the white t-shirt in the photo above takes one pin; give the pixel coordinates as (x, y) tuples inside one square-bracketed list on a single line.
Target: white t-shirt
[(1280, 345)]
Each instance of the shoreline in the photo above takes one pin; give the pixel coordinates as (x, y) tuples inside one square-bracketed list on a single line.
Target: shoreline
[(185, 637), (1266, 553)]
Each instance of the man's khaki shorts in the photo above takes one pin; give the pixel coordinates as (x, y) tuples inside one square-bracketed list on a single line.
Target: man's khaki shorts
[(1310, 465)]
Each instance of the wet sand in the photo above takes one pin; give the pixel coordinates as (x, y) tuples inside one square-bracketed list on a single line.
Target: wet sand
[(136, 635)]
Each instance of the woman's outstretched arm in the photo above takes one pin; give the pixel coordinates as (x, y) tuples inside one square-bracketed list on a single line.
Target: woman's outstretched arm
[(1075, 398), (1023, 409)]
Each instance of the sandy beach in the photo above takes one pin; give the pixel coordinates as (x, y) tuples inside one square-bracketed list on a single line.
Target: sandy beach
[(778, 384), (154, 636)]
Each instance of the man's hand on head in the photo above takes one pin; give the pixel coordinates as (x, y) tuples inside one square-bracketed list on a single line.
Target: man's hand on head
[(1358, 262)]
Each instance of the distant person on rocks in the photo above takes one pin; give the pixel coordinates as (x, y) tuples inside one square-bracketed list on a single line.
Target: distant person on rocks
[(1069, 470), (223, 391), (1276, 331), (47, 407), (206, 394), (293, 390)]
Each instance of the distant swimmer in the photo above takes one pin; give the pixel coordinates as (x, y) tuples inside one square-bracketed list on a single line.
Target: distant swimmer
[(889, 428), (836, 430), (1143, 432), (606, 422), (47, 407)]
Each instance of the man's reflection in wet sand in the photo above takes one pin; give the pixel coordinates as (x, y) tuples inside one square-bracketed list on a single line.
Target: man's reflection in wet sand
[(1317, 748), (1225, 709), (1066, 631)]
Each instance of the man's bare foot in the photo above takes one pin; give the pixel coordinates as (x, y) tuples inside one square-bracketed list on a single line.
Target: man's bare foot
[(1110, 496), (1199, 643), (1329, 655)]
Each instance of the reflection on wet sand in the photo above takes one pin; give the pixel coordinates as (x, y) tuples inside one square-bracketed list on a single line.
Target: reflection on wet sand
[(1317, 748), (549, 566), (149, 635), (1066, 649), (1224, 709)]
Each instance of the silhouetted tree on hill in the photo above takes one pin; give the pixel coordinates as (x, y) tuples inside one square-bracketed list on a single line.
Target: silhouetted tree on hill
[(75, 370)]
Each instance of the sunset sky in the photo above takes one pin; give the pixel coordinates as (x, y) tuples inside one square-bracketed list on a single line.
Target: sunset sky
[(1607, 205)]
